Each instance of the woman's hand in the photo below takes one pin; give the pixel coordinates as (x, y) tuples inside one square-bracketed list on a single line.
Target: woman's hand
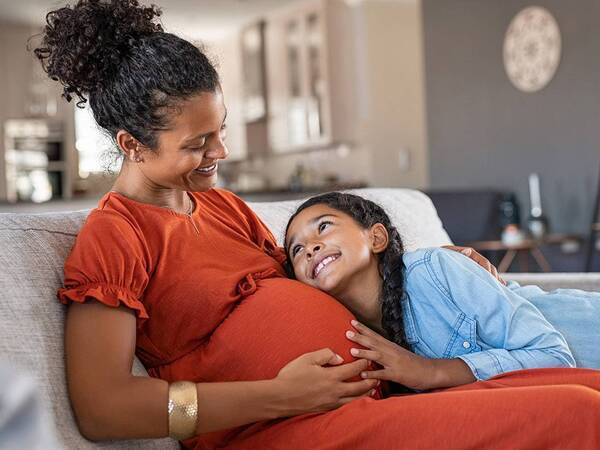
[(479, 259), (308, 386), (404, 367)]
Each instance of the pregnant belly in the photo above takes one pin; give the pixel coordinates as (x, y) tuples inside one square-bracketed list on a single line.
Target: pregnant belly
[(282, 320)]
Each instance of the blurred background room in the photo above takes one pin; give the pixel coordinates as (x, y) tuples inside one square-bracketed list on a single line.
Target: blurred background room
[(492, 107)]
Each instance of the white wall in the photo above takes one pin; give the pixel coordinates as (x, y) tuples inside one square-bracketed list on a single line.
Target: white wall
[(393, 116)]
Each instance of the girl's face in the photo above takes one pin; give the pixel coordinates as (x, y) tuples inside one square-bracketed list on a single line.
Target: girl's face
[(189, 151), (329, 250)]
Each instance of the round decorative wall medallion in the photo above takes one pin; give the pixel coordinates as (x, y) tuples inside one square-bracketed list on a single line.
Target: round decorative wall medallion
[(532, 47)]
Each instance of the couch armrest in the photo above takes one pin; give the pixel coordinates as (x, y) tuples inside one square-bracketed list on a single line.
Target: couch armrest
[(551, 281)]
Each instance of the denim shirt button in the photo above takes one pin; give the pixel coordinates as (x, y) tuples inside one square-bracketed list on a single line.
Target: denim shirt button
[(466, 344)]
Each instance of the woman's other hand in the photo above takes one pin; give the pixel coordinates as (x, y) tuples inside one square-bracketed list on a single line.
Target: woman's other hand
[(405, 367), (479, 259), (308, 385)]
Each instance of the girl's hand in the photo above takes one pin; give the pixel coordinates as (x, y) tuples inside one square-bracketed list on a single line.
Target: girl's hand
[(307, 386), (405, 367), (479, 259), (399, 365)]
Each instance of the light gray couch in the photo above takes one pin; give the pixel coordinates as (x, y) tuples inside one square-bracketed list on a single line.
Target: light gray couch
[(32, 251)]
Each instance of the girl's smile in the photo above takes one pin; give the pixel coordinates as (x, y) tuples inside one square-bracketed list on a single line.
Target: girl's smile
[(321, 263)]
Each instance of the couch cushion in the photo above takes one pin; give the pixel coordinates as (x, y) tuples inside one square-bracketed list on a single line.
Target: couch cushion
[(33, 248), (554, 280), (32, 251)]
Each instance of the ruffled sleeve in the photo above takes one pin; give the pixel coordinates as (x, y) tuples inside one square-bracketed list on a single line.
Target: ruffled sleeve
[(109, 263)]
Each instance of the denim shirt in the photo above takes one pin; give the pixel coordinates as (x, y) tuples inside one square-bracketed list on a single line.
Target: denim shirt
[(453, 308)]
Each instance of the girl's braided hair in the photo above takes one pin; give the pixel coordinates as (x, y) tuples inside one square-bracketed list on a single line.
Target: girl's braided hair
[(391, 268)]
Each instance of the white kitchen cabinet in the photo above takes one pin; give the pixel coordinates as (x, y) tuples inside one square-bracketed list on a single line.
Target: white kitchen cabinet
[(36, 161), (302, 41)]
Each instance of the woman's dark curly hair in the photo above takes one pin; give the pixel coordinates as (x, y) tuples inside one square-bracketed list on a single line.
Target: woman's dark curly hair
[(116, 54), (391, 268)]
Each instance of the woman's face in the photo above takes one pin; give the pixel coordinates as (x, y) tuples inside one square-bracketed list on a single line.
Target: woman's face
[(328, 249), (188, 152)]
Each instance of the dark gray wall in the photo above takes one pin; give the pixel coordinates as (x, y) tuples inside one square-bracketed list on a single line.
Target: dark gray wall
[(483, 132)]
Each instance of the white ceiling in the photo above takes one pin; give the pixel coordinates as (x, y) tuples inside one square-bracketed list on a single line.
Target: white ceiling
[(195, 19)]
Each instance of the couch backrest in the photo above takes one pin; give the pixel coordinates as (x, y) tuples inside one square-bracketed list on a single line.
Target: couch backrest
[(412, 212), (33, 248)]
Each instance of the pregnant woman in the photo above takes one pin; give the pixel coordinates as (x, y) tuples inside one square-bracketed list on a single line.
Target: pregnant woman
[(189, 279)]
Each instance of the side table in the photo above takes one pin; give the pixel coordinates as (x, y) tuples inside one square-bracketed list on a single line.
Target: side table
[(525, 249)]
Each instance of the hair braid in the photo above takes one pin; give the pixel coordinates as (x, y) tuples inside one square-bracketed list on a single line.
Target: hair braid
[(391, 268)]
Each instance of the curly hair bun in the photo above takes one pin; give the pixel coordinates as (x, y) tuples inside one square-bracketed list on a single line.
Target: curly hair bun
[(82, 45)]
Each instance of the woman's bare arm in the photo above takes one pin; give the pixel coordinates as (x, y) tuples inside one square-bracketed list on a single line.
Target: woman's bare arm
[(110, 403)]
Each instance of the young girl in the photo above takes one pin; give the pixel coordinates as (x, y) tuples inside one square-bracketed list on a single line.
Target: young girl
[(449, 321)]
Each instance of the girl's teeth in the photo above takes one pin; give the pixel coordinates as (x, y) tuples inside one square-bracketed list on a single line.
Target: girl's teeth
[(323, 263)]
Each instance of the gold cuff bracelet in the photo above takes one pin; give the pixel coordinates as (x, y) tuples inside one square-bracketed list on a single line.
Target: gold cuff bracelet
[(183, 410)]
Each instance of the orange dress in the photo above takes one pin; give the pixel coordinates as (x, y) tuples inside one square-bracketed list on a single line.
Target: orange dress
[(213, 304)]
